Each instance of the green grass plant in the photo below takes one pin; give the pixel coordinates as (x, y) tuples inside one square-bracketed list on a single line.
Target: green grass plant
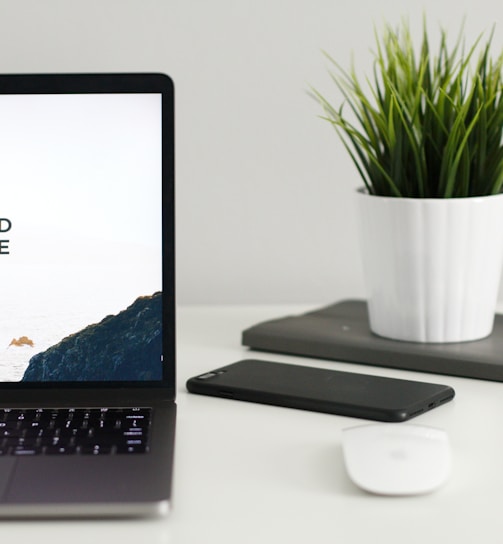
[(424, 125)]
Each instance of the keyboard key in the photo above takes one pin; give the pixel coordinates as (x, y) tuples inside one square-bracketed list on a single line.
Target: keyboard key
[(59, 450), (21, 450)]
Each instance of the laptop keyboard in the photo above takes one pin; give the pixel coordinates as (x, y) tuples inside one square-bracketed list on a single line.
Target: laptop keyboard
[(67, 431)]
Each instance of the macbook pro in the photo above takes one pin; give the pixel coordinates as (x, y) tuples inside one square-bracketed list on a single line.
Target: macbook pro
[(87, 324)]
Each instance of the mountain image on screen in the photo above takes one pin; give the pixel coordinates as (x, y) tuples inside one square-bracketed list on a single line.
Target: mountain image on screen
[(122, 347)]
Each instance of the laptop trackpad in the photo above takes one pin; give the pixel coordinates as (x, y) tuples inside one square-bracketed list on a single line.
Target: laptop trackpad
[(79, 478), (6, 469)]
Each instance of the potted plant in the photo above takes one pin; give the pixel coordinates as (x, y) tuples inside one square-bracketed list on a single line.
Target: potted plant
[(425, 134)]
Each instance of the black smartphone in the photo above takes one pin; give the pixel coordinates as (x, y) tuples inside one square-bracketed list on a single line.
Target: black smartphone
[(321, 390)]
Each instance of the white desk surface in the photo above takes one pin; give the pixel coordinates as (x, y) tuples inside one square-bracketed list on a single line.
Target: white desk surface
[(248, 473)]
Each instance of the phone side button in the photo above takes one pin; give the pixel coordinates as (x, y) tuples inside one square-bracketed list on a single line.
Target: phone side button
[(226, 394)]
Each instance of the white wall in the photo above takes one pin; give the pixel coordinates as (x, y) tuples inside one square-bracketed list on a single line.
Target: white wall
[(264, 188)]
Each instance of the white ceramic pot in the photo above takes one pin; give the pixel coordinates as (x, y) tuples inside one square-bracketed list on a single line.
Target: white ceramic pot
[(432, 266)]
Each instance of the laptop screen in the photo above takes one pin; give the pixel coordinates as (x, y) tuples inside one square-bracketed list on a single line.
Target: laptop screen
[(81, 235)]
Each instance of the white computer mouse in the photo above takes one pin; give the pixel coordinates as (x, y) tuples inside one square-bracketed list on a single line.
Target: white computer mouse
[(396, 458)]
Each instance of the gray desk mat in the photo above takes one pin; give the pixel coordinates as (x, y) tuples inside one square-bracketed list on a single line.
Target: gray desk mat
[(341, 332)]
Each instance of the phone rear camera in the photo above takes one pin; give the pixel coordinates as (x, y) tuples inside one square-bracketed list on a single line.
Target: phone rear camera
[(207, 376)]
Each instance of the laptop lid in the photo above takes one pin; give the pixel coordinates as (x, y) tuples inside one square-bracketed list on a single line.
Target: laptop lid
[(87, 232)]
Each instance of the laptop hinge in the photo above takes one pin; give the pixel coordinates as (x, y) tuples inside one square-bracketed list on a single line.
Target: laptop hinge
[(85, 397)]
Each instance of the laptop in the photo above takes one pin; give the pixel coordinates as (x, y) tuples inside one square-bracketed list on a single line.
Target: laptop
[(87, 308)]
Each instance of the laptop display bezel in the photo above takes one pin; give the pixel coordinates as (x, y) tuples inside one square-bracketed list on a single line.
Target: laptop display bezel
[(122, 83)]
